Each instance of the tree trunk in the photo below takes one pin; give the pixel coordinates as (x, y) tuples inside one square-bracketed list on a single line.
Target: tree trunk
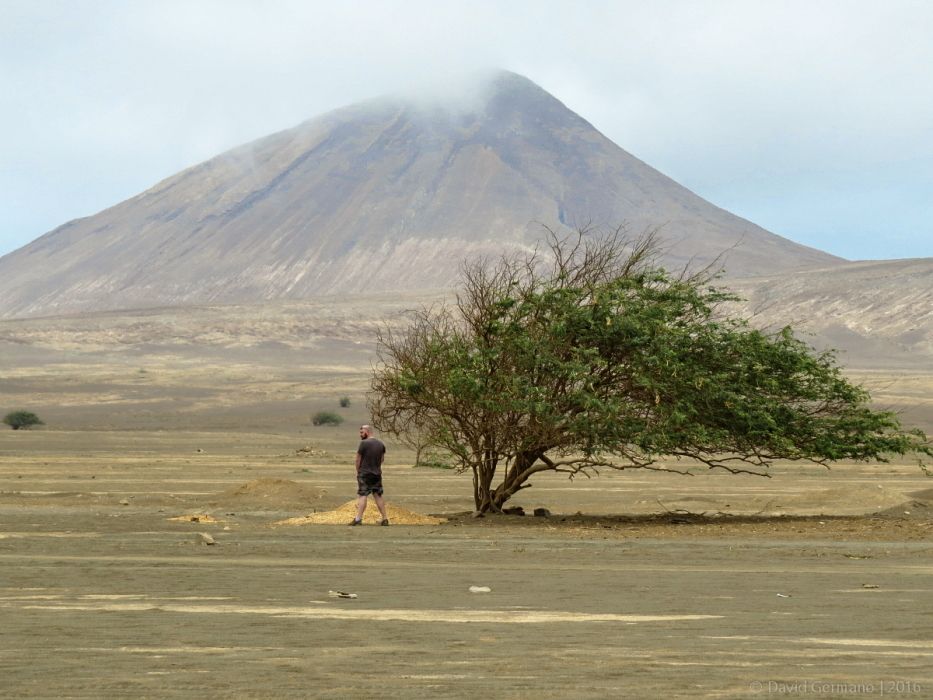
[(482, 486), (513, 482)]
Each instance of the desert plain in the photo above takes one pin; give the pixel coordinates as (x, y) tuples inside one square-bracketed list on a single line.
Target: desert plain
[(153, 540)]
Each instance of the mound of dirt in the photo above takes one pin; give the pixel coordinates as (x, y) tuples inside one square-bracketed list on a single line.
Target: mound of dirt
[(919, 507), (345, 513), (269, 494)]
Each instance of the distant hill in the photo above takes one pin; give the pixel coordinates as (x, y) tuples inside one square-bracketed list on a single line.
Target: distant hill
[(878, 313), (387, 195)]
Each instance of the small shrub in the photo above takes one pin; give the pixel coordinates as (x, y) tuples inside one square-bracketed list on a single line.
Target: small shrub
[(21, 419), (435, 460), (326, 418), (344, 402)]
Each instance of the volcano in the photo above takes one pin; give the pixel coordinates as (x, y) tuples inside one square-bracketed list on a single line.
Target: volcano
[(386, 195)]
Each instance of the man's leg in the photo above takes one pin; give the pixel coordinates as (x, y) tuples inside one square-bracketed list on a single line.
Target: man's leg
[(380, 504), (361, 506)]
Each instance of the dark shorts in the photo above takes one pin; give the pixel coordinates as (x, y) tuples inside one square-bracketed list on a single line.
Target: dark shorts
[(368, 483)]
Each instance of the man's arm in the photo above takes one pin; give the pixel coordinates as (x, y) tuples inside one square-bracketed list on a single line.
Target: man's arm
[(359, 460)]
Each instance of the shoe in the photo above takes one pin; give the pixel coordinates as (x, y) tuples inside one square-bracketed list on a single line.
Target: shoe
[(355, 522), (385, 522)]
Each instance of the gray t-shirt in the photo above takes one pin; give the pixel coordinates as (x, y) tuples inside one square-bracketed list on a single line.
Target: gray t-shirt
[(371, 451)]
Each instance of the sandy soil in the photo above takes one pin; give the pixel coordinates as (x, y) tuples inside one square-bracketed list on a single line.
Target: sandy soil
[(667, 586), (638, 585)]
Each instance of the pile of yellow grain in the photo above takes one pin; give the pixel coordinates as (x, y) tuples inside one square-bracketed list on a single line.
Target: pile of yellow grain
[(345, 513)]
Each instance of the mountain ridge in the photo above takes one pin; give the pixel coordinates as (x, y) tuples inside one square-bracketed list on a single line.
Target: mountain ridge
[(877, 314)]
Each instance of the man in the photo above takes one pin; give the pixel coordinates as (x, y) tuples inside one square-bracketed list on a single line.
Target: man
[(369, 457)]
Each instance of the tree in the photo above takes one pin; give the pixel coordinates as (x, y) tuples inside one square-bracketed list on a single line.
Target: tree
[(21, 419), (595, 358)]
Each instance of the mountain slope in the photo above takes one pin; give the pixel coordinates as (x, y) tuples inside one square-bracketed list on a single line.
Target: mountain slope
[(878, 313), (385, 195)]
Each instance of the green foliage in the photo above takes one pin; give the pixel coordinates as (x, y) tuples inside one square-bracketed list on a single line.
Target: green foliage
[(344, 402), (605, 360), (435, 459), (326, 418), (21, 419)]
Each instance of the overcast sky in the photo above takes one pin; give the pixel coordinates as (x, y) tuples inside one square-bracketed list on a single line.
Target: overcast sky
[(813, 119)]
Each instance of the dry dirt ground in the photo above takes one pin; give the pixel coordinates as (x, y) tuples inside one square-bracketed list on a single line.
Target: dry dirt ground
[(812, 583)]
